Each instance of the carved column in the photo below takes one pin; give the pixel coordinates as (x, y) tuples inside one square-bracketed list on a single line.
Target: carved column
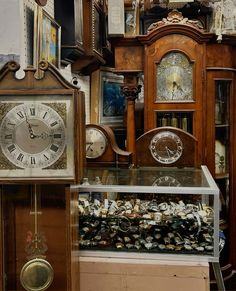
[(131, 89)]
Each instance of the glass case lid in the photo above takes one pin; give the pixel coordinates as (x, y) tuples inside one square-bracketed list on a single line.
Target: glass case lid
[(150, 179)]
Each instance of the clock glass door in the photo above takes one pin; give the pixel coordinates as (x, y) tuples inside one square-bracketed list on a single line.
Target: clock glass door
[(222, 133), (179, 119)]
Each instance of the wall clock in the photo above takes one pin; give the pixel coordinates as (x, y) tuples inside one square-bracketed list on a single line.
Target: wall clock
[(96, 142), (166, 147), (174, 78), (36, 136)]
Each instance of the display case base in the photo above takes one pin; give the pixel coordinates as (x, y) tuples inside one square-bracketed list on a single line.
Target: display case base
[(105, 274)]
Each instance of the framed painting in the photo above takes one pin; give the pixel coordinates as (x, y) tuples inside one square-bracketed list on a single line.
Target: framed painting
[(112, 101), (107, 100), (47, 38)]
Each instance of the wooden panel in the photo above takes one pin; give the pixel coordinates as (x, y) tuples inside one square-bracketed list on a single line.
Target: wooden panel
[(129, 58), (213, 51), (133, 275)]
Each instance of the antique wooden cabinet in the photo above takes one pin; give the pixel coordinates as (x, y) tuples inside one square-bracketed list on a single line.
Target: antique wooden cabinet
[(83, 33), (220, 139), (189, 83)]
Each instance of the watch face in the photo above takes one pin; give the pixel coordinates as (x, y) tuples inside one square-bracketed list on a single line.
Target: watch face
[(36, 138), (174, 78), (96, 142), (166, 147)]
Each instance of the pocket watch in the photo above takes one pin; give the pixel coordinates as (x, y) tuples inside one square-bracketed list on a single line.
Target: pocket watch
[(174, 78), (166, 147), (36, 137), (96, 142)]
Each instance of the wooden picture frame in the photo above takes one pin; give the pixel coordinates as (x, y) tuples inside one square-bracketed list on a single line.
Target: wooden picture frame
[(47, 38), (107, 101)]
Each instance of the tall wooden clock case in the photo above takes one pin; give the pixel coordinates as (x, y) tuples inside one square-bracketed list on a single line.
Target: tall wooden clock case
[(42, 121)]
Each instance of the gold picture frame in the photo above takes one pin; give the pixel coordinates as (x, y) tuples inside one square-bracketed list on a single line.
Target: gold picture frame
[(47, 38)]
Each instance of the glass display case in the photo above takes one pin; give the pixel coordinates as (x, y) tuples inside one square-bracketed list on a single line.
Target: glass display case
[(148, 213)]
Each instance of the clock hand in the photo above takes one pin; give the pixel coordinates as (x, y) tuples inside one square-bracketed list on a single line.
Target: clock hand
[(169, 152), (32, 135), (89, 145)]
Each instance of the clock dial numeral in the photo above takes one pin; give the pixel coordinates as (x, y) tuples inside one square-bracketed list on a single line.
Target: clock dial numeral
[(20, 114), (11, 124), (46, 157), (8, 136), (11, 148), (32, 111), (53, 123), (57, 135), (20, 157), (45, 114), (54, 148), (32, 160)]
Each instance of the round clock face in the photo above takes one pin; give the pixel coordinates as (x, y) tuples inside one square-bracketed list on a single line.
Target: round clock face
[(32, 135), (166, 147), (96, 142), (174, 78)]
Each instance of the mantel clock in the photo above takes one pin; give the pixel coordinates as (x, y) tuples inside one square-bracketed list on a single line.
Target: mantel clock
[(102, 149)]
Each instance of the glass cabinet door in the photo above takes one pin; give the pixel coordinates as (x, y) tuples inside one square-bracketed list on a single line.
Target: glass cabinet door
[(222, 131)]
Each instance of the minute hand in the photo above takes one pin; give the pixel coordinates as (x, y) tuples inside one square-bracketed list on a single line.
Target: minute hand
[(170, 152)]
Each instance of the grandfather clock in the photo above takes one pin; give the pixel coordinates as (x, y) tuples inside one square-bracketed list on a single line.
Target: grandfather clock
[(42, 122)]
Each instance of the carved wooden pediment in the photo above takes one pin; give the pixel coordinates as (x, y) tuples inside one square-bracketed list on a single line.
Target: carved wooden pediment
[(175, 17)]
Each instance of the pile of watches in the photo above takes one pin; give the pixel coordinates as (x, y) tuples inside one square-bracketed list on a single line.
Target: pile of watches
[(142, 225)]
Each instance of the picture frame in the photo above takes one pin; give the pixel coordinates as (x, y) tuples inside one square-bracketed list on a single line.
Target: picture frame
[(107, 100), (131, 22), (47, 38)]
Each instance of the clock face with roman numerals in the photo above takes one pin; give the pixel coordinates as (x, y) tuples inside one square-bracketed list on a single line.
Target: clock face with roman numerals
[(35, 139)]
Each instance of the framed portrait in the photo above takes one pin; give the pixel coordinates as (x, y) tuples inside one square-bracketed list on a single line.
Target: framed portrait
[(47, 38), (107, 100)]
